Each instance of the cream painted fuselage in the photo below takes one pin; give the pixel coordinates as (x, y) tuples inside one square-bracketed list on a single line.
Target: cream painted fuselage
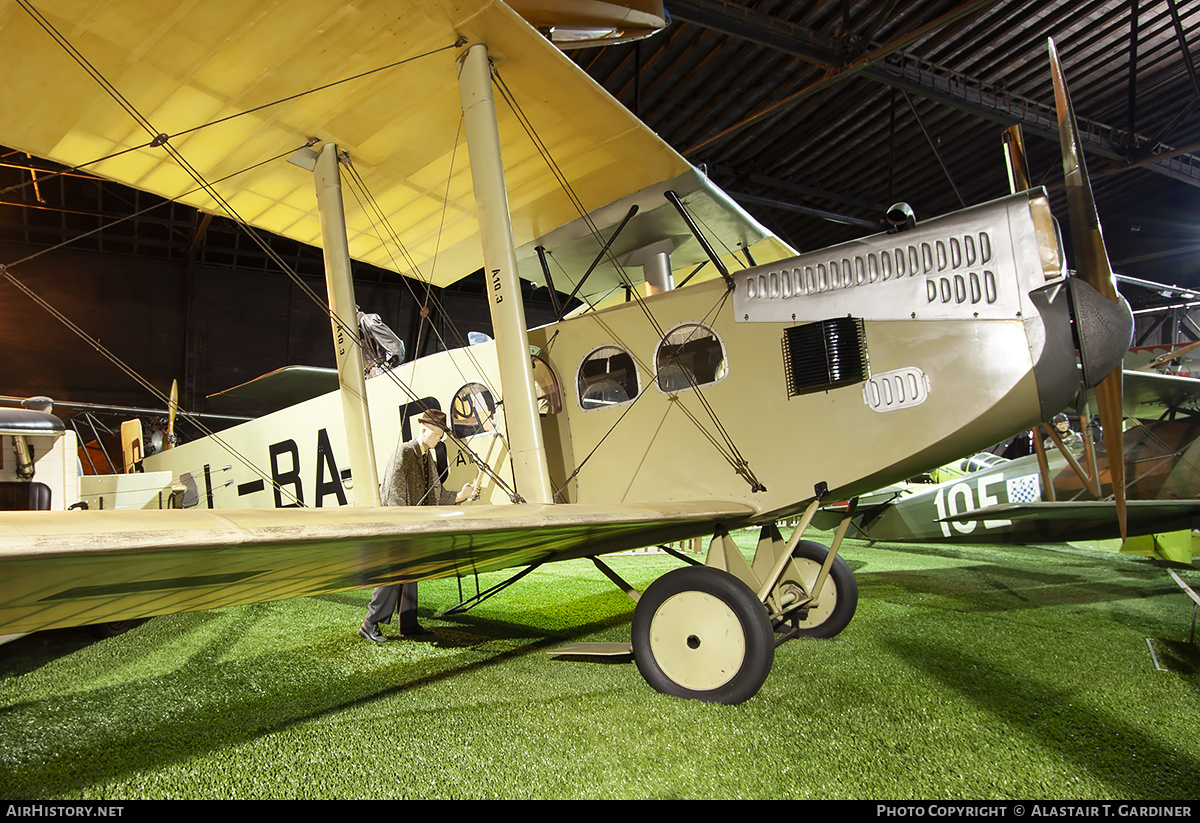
[(694, 394)]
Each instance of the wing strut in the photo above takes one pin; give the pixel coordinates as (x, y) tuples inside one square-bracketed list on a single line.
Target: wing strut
[(343, 315), (466, 604), (673, 198), (1015, 159), (504, 288)]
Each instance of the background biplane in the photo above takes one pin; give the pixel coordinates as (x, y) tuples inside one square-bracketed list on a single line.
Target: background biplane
[(1009, 502), (1019, 501)]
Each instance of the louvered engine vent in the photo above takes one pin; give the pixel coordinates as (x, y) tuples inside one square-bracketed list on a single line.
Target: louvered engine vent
[(825, 355)]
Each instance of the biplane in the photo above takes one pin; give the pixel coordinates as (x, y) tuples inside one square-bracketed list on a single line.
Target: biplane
[(1063, 492), (732, 401)]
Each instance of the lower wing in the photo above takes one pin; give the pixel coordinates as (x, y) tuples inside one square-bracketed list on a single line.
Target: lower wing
[(75, 568), (1087, 519)]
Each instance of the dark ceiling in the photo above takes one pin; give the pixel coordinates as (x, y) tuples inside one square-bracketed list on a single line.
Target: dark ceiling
[(818, 115)]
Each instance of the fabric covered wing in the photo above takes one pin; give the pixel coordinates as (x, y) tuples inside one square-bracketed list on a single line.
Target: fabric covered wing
[(187, 64), (1145, 516), (284, 386), (1147, 395), (75, 568)]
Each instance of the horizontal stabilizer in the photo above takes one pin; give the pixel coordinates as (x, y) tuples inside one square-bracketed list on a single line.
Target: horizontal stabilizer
[(1174, 547), (283, 387)]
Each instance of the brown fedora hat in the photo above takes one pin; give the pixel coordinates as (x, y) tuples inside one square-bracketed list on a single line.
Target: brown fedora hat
[(434, 418)]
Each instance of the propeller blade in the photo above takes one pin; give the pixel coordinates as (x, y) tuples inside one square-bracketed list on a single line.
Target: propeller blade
[(1093, 267), (172, 409), (1016, 160)]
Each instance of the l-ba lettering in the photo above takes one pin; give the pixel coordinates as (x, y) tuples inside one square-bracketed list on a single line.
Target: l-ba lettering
[(285, 474)]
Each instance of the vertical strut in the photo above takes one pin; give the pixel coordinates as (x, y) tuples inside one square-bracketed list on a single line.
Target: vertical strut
[(344, 318), (528, 453)]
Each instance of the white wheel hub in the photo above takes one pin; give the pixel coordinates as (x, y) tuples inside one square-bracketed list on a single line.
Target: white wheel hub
[(822, 610), (697, 640)]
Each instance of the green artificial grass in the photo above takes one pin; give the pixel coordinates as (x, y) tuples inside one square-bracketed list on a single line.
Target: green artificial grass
[(981, 672)]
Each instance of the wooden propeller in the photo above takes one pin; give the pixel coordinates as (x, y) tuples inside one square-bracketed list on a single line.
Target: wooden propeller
[(1093, 267), (172, 410)]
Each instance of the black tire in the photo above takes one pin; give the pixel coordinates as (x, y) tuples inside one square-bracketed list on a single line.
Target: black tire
[(826, 621), (701, 634), (118, 627)]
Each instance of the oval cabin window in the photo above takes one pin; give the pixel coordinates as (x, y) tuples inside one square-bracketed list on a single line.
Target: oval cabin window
[(473, 411), (607, 377), (690, 355), (549, 398)]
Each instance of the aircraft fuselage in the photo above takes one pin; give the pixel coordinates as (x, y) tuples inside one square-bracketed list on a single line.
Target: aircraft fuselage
[(746, 396), (1163, 489)]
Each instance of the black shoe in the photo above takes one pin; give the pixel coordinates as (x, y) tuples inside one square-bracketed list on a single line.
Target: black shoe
[(415, 630), (370, 631)]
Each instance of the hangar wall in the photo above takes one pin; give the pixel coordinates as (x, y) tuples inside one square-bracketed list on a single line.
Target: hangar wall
[(209, 327)]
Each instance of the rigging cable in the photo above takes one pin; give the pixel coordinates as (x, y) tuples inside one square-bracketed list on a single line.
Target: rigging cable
[(565, 184), (161, 140), (157, 138), (372, 207), (122, 366), (734, 457), (294, 276)]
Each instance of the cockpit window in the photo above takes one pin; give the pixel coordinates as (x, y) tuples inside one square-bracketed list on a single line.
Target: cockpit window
[(690, 355), (473, 411), (549, 398), (607, 377), (981, 461)]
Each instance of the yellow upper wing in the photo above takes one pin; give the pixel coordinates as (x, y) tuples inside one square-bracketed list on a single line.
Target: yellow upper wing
[(182, 65)]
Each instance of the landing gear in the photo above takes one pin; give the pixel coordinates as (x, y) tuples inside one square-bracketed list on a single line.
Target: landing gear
[(701, 633), (100, 631), (838, 598), (704, 633)]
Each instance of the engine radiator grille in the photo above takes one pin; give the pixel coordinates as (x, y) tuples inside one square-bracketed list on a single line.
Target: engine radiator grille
[(825, 355)]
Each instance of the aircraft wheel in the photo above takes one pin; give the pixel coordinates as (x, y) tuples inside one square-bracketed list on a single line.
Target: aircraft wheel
[(700, 633), (839, 595), (117, 627)]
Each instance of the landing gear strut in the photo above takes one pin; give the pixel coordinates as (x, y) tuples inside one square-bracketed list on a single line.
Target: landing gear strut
[(834, 609)]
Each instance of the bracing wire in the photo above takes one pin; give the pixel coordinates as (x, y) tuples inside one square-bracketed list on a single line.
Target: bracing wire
[(370, 205), (161, 140), (724, 445), (733, 455), (157, 138), (116, 221)]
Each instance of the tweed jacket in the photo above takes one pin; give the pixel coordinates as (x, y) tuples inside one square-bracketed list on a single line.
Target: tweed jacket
[(412, 479)]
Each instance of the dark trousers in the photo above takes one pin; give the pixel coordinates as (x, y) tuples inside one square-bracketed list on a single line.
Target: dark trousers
[(386, 599)]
